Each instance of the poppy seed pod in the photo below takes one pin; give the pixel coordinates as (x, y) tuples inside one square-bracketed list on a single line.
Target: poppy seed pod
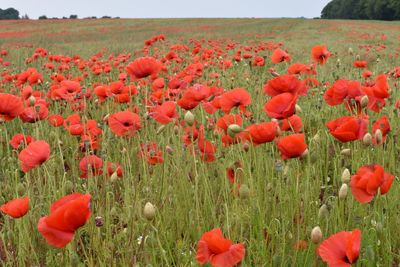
[(234, 129), (316, 235), (32, 100), (189, 118), (323, 212), (367, 139), (149, 211), (346, 152), (350, 51), (316, 138), (343, 191), (346, 176)]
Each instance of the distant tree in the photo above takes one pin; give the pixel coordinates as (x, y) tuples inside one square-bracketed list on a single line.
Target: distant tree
[(64, 18), (73, 16), (9, 13), (25, 16), (362, 9), (106, 17), (42, 17)]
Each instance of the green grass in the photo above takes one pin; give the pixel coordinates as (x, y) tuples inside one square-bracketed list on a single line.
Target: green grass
[(192, 196)]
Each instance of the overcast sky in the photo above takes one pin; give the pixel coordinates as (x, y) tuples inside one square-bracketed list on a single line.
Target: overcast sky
[(168, 8)]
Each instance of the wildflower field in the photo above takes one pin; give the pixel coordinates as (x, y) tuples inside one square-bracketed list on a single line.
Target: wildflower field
[(188, 142)]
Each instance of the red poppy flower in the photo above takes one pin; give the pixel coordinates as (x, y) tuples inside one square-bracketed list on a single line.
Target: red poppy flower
[(16, 208), (91, 166), (193, 96), (343, 90), (11, 106), (217, 250), (206, 148), (291, 124), (292, 146), (360, 64), (348, 128), (19, 139), (382, 124), (34, 155), (279, 55), (377, 93), (67, 214), (320, 54), (151, 153), (73, 124), (33, 114), (224, 122), (262, 133), (341, 249), (124, 123), (143, 67), (281, 106), (114, 168), (285, 84), (56, 120), (164, 113), (237, 97), (368, 179)]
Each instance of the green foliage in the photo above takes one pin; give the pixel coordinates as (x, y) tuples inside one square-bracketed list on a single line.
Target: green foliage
[(362, 9), (9, 13)]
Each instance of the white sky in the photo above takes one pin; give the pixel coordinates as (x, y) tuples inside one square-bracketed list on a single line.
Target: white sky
[(168, 8)]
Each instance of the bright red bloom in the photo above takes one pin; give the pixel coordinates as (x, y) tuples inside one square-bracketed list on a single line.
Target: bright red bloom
[(19, 139), (143, 67), (382, 124), (377, 93), (285, 84), (114, 168), (224, 122), (217, 250), (237, 97), (368, 179), (11, 106), (320, 54), (34, 155), (341, 249), (281, 106), (206, 148), (193, 96), (291, 124), (73, 124), (16, 208), (164, 113), (292, 146), (279, 55), (56, 120), (343, 90), (360, 64), (151, 153), (91, 166), (67, 214), (348, 128), (262, 133), (33, 114), (124, 123)]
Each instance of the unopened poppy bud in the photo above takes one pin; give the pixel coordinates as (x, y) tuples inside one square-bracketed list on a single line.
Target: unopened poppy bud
[(169, 150), (346, 152), (275, 74), (189, 118), (246, 146), (316, 235), (346, 176), (99, 221), (244, 191), (32, 100), (305, 153), (364, 101), (367, 139), (298, 109), (149, 211), (378, 60), (343, 191), (234, 129), (160, 129), (378, 136), (358, 57), (379, 227), (114, 177), (176, 129), (323, 212), (350, 51)]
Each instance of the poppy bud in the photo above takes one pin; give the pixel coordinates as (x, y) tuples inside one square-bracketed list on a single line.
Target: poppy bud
[(160, 129), (275, 74), (378, 136), (343, 191), (350, 51), (346, 176), (99, 221), (189, 118), (244, 191), (378, 60), (176, 129), (169, 150), (367, 139), (316, 235), (305, 153), (298, 109), (346, 152), (246, 146), (357, 57), (114, 177), (234, 129), (323, 212), (32, 100), (149, 211), (316, 138), (364, 101)]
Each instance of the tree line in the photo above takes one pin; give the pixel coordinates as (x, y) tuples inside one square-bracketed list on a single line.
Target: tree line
[(9, 13), (362, 9)]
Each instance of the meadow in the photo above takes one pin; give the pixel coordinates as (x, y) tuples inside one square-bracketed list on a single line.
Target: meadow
[(159, 131)]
